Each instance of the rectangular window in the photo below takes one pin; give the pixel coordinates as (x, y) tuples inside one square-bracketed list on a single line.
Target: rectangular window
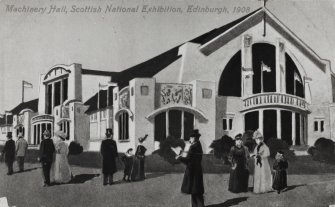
[(230, 124), (322, 123), (132, 91), (57, 94), (144, 90), (224, 124), (65, 86), (316, 126), (206, 93), (49, 99), (124, 126)]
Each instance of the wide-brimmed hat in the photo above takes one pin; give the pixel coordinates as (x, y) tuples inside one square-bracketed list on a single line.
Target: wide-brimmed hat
[(20, 135), (142, 139), (257, 135), (195, 133), (61, 134), (109, 132), (9, 135), (47, 133)]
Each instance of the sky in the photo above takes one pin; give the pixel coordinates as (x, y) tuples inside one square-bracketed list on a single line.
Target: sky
[(31, 43)]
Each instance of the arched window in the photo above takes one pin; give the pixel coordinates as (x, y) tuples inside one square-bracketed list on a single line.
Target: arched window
[(123, 126)]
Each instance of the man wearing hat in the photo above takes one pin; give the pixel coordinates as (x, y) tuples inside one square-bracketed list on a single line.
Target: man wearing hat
[(47, 150), (9, 153), (108, 152), (21, 149), (193, 177)]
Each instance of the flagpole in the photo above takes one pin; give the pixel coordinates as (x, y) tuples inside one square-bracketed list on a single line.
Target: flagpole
[(262, 77), (98, 96), (22, 91)]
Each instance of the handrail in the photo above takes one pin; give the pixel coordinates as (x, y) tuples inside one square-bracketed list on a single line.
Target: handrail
[(274, 98)]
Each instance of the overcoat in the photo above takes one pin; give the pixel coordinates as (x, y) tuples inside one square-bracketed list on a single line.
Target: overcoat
[(109, 153), (193, 177), (62, 170), (262, 173), (9, 151), (239, 174)]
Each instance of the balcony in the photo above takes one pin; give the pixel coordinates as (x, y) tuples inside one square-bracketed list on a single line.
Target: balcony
[(274, 99), (44, 117)]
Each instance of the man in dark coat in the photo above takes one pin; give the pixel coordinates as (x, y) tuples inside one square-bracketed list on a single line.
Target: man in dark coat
[(193, 178), (47, 150), (109, 152), (9, 153)]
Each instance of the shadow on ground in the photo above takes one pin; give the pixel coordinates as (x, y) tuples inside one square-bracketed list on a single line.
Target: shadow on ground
[(26, 170), (82, 178), (230, 202)]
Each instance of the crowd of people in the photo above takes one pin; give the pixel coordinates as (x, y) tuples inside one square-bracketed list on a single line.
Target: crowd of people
[(53, 155)]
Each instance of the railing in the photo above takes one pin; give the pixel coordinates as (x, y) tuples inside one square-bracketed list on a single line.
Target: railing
[(273, 99), (44, 117)]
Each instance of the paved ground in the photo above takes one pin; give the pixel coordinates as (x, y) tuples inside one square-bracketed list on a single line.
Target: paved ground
[(159, 189)]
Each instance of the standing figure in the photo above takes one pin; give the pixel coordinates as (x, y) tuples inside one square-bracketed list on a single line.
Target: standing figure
[(262, 173), (193, 177), (21, 149), (127, 160), (9, 153), (47, 150), (280, 175), (62, 169), (137, 172), (239, 174), (108, 152)]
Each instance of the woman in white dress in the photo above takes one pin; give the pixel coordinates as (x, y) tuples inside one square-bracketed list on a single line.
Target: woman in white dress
[(61, 169), (262, 173)]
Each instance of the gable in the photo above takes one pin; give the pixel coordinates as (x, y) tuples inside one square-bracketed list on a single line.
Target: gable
[(254, 20)]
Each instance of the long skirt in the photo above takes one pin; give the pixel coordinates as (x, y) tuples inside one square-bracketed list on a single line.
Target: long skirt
[(279, 180), (60, 170), (238, 180), (137, 171)]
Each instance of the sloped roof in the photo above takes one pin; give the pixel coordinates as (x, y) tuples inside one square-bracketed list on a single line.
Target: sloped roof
[(93, 101), (151, 67), (32, 105)]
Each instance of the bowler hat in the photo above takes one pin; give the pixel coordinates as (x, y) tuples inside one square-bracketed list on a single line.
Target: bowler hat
[(9, 135), (195, 133), (238, 136)]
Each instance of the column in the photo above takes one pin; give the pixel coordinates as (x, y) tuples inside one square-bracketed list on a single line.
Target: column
[(61, 92), (247, 71), (53, 98), (301, 129), (243, 122), (39, 137), (260, 121), (182, 125), (293, 128), (280, 67), (167, 123), (278, 124)]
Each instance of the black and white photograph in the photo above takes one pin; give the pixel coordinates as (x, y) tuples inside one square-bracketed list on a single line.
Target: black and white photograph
[(167, 103)]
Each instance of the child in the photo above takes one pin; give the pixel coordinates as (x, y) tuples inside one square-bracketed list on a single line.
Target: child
[(280, 176), (128, 163)]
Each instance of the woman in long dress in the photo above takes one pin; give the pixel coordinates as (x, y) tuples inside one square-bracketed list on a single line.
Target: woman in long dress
[(137, 172), (61, 169), (239, 174), (262, 173)]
